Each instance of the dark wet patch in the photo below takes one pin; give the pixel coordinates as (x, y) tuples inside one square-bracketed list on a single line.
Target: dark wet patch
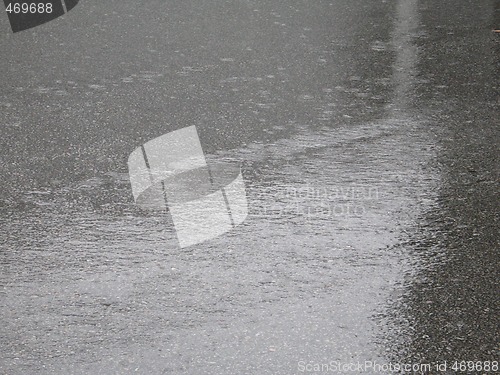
[(450, 309)]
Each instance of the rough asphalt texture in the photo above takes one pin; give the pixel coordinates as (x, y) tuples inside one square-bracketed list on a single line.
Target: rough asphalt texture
[(367, 132)]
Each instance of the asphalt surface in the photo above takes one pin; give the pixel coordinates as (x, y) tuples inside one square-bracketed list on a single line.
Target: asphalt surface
[(367, 134)]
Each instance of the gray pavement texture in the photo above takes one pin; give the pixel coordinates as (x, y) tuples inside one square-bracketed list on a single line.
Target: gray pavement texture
[(367, 134)]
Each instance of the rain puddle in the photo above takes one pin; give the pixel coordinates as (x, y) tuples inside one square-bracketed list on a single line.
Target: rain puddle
[(312, 265)]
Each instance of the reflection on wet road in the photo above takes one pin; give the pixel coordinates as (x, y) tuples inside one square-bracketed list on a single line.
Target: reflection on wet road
[(450, 309), (327, 108)]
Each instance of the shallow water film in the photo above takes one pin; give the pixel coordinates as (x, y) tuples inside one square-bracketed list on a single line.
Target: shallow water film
[(362, 236)]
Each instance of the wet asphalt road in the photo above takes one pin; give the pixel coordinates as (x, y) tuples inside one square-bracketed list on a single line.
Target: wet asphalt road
[(367, 132)]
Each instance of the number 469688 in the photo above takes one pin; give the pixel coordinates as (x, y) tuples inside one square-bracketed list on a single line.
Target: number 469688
[(32, 8), (475, 366)]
